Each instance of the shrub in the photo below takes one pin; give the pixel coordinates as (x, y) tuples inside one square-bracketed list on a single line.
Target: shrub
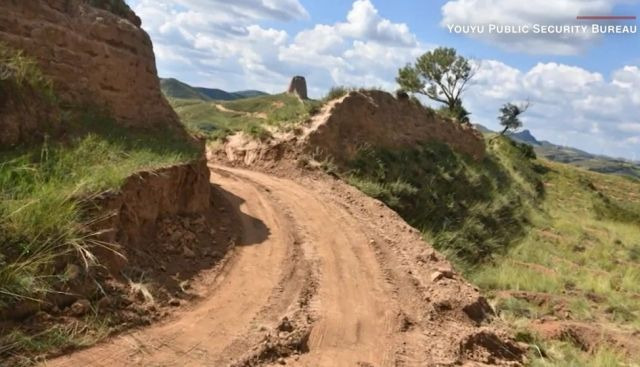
[(20, 73), (337, 92)]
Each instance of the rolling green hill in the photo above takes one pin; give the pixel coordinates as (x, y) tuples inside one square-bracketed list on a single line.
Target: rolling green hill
[(173, 88), (254, 116), (573, 156)]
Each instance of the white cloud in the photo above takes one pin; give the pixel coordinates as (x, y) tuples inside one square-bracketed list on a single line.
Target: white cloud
[(570, 105), (509, 12), (230, 49), (248, 9), (363, 22), (631, 127)]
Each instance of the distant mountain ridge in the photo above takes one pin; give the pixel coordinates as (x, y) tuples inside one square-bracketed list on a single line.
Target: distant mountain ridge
[(173, 88), (574, 156)]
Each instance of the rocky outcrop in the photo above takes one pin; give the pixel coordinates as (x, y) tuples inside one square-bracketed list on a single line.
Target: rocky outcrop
[(95, 55), (298, 86), (131, 214), (376, 118)]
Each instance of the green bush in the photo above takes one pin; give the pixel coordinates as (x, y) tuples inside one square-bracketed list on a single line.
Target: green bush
[(337, 92)]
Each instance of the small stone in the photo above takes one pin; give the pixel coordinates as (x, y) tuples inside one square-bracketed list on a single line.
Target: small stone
[(282, 361), (435, 276), (80, 307), (174, 302), (447, 272), (188, 253), (440, 274)]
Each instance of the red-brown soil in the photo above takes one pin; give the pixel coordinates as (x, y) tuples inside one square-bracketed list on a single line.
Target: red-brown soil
[(321, 275)]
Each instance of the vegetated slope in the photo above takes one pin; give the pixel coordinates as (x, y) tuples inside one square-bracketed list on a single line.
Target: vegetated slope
[(573, 156), (553, 245), (321, 276), (255, 116), (173, 88)]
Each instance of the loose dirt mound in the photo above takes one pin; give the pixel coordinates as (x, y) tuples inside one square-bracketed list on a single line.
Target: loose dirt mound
[(321, 276)]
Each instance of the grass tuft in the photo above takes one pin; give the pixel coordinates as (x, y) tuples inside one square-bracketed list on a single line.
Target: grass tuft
[(42, 193)]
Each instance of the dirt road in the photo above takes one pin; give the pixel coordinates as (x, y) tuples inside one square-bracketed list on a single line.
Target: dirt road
[(321, 276)]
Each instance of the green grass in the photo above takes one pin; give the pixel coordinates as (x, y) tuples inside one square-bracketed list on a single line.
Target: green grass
[(256, 116), (337, 92), (206, 119), (20, 347), (20, 75), (280, 109), (470, 210), (42, 190)]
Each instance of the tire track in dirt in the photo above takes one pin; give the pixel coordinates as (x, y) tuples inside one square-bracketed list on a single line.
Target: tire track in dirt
[(354, 307), (322, 276)]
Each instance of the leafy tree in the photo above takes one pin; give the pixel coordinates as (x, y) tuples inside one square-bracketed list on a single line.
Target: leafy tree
[(442, 75), (510, 116)]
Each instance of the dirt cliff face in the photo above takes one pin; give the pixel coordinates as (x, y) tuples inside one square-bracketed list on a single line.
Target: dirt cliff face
[(378, 119), (96, 55), (134, 211)]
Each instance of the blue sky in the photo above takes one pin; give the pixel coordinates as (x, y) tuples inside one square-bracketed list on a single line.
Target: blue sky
[(585, 88)]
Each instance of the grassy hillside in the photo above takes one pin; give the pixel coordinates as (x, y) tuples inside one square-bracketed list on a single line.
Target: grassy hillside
[(255, 116), (588, 161), (573, 156), (173, 88), (547, 241)]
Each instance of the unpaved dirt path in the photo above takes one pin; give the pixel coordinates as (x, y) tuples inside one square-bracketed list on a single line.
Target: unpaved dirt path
[(260, 115), (312, 256)]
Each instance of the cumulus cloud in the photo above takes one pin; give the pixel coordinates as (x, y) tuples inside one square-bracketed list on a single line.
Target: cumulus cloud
[(570, 105), (509, 12), (229, 48)]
